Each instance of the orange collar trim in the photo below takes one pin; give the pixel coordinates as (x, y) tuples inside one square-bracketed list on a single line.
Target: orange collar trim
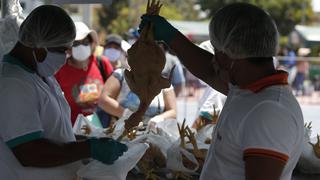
[(279, 78)]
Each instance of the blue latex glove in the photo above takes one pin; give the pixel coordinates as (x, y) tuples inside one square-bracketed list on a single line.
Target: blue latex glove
[(106, 150), (163, 30)]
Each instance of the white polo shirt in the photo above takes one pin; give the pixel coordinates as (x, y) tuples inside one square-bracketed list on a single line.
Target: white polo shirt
[(31, 109), (263, 119)]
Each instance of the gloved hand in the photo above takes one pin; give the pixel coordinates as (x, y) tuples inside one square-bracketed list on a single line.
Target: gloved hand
[(106, 150), (163, 30)]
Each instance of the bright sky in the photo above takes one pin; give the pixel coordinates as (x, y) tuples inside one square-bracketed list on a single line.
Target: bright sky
[(316, 5)]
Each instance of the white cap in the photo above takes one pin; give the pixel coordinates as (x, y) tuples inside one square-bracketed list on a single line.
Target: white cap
[(125, 45), (82, 32)]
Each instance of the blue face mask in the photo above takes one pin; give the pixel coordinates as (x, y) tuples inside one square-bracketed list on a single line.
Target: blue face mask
[(112, 54), (51, 64)]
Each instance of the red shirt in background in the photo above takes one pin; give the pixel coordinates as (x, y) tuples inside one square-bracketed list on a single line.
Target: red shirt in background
[(82, 88)]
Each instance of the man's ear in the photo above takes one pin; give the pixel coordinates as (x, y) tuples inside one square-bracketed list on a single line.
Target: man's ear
[(224, 59), (40, 54)]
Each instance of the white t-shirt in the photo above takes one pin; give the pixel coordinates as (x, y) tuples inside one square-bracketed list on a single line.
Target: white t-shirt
[(31, 109), (266, 123)]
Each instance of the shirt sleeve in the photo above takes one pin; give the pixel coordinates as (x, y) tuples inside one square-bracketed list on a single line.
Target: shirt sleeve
[(20, 117), (118, 74), (107, 66), (269, 130)]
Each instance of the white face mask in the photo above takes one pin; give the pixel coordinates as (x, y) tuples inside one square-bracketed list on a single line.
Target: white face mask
[(51, 64), (81, 52), (112, 54)]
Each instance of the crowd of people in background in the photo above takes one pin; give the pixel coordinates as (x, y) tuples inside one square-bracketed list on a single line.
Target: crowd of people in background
[(93, 81), (301, 76)]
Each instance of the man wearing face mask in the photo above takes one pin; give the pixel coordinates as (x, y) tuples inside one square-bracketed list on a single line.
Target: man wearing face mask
[(84, 74), (259, 133), (115, 49), (36, 137)]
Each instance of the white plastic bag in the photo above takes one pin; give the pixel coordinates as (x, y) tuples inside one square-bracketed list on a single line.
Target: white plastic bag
[(169, 129), (9, 27), (96, 170), (94, 131), (205, 133), (175, 161), (162, 142), (308, 162)]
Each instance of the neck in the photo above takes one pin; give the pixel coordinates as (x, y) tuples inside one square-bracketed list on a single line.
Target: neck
[(78, 64), (24, 55), (251, 73)]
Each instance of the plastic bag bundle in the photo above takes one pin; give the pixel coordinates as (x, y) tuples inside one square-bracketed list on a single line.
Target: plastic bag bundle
[(90, 129), (160, 141), (168, 128), (308, 163), (9, 27), (205, 133), (176, 161), (96, 170)]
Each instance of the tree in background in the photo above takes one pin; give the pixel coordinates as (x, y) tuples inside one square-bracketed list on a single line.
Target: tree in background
[(125, 14), (286, 13)]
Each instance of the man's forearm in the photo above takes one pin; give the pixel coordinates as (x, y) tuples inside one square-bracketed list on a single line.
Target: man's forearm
[(198, 61), (45, 153)]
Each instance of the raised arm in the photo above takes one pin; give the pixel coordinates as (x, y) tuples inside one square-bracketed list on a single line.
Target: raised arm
[(195, 59)]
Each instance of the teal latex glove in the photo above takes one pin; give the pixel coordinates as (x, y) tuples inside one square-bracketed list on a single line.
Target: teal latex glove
[(106, 150), (163, 30)]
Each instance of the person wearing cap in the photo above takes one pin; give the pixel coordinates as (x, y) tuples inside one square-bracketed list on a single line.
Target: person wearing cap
[(211, 101), (119, 101), (115, 49), (178, 80), (36, 136), (259, 133), (83, 76)]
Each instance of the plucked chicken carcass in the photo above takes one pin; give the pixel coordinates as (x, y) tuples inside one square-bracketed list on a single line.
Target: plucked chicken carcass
[(146, 61)]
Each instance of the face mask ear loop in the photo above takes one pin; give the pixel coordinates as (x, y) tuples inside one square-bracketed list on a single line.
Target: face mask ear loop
[(231, 66), (34, 56)]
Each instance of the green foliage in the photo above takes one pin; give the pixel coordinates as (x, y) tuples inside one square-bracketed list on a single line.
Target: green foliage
[(286, 13), (283, 40), (123, 15), (107, 14)]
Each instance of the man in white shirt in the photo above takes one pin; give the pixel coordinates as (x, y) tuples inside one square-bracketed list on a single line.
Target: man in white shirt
[(36, 137), (259, 134)]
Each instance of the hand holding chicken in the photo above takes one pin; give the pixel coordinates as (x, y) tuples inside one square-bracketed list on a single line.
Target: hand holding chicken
[(146, 60)]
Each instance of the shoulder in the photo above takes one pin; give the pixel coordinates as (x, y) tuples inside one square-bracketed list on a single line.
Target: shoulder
[(272, 114), (15, 89), (11, 75), (118, 73)]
